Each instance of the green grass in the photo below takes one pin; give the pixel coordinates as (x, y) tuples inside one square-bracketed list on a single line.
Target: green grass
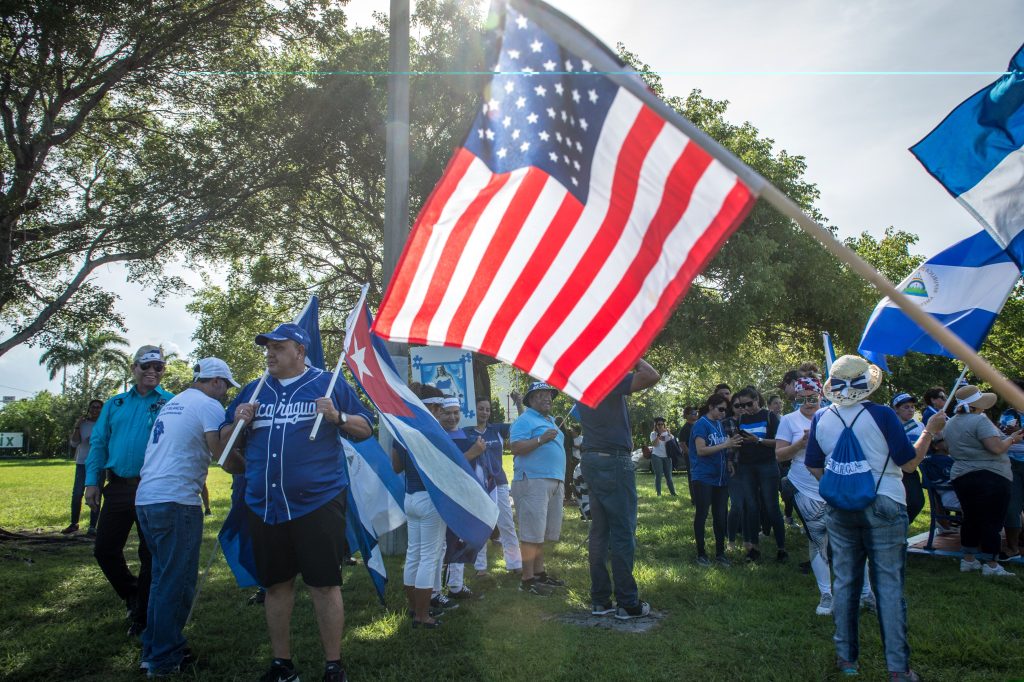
[(60, 620)]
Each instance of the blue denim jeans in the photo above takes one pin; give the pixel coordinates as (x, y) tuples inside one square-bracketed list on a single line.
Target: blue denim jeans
[(662, 466), (611, 480), (877, 535), (174, 533)]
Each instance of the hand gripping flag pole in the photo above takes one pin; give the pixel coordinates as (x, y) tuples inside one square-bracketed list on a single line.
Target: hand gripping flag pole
[(330, 390), (240, 426)]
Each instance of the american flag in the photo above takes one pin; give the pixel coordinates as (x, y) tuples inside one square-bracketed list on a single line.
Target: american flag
[(567, 226)]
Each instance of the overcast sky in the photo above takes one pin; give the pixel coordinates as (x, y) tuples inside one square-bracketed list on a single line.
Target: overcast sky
[(906, 64)]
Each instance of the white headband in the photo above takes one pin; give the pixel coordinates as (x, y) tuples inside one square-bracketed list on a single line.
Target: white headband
[(450, 402), (968, 400)]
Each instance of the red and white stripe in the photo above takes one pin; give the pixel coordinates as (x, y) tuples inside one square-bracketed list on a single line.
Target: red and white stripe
[(515, 267)]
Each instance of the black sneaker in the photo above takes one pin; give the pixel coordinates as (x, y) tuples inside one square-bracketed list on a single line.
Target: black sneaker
[(334, 673), (535, 586), (91, 532), (602, 609), (439, 601), (551, 580), (280, 673), (464, 593), (73, 528), (188, 660), (753, 554), (639, 611), (782, 556), (722, 561), (433, 613)]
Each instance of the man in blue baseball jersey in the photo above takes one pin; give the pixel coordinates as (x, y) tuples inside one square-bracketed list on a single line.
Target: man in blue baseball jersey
[(295, 490)]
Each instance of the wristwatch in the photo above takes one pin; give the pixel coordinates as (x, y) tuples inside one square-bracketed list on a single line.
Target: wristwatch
[(342, 418)]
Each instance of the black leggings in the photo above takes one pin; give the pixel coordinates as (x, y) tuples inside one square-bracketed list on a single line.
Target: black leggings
[(984, 497), (716, 499)]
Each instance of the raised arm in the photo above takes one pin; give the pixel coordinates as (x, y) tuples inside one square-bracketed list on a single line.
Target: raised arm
[(644, 376)]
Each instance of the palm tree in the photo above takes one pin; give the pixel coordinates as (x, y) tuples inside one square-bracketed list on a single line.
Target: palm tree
[(98, 347)]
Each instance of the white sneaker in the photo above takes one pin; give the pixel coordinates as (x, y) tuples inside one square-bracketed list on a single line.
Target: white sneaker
[(968, 566), (824, 606), (996, 571)]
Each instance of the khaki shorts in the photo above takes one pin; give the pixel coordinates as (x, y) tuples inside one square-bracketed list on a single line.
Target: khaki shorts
[(539, 507)]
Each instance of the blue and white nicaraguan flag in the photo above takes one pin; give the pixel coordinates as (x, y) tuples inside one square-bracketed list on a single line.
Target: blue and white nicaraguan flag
[(963, 287), (459, 497), (977, 153)]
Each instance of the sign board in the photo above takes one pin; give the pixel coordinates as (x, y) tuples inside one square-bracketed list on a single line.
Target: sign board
[(7, 399), (12, 440), (451, 370)]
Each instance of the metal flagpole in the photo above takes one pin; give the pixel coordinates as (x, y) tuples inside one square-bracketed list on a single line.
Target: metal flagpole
[(949, 396), (396, 160), (577, 40)]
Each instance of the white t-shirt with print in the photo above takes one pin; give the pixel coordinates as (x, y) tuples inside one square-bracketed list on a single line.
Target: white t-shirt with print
[(791, 429), (177, 458)]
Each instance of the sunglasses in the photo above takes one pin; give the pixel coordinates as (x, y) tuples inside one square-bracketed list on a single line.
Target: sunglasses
[(743, 406), (158, 366), (722, 408), (808, 400)]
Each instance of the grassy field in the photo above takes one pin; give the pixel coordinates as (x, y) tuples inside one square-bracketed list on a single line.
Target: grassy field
[(60, 620)]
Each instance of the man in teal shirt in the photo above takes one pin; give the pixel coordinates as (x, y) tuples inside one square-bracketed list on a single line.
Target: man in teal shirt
[(118, 447)]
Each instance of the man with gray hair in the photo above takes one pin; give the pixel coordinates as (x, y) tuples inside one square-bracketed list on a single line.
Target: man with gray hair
[(116, 453), (169, 504)]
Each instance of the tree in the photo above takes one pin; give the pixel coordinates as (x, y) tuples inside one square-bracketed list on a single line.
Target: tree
[(98, 351), (118, 146), (45, 419)]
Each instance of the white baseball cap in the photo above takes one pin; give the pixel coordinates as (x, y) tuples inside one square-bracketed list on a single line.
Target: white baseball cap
[(213, 368)]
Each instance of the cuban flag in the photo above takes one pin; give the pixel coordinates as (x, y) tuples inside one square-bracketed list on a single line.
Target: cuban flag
[(977, 154), (376, 500), (963, 287), (459, 497), (572, 219)]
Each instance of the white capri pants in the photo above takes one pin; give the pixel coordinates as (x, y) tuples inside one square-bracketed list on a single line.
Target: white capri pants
[(426, 541)]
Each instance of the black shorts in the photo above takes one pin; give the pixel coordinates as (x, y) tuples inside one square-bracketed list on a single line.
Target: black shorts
[(310, 545)]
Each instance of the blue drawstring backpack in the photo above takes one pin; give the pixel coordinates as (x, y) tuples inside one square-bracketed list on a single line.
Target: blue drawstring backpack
[(848, 482)]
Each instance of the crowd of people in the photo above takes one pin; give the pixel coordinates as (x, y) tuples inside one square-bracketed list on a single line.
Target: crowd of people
[(846, 467)]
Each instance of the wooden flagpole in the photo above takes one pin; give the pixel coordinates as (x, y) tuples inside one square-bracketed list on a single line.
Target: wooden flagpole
[(576, 39)]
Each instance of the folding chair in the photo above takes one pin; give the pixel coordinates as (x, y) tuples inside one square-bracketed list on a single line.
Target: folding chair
[(935, 479)]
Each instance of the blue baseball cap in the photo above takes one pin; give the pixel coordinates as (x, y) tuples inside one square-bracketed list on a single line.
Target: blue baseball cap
[(285, 332)]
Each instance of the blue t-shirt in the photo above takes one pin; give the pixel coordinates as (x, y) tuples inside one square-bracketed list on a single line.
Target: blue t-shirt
[(546, 461), (708, 469), (606, 427), (494, 436), (287, 475)]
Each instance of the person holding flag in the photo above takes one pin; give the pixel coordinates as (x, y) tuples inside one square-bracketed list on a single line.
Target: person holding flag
[(295, 490)]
